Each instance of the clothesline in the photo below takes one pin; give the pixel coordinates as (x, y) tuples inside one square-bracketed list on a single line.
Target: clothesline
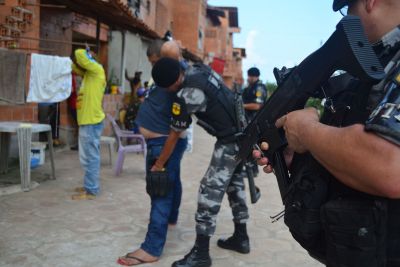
[(29, 48), (48, 40)]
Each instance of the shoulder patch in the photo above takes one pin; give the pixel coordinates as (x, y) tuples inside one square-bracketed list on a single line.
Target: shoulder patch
[(176, 109), (398, 79)]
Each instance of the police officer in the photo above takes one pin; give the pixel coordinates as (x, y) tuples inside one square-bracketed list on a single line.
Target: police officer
[(358, 152), (255, 94), (201, 91)]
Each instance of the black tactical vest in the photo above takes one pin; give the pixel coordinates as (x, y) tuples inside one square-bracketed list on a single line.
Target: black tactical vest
[(375, 221), (337, 225), (219, 119)]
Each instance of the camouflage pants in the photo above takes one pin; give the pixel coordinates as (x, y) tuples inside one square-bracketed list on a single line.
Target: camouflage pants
[(223, 175)]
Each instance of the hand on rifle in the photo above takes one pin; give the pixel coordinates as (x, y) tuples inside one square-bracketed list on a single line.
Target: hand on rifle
[(261, 159), (297, 125), (294, 124)]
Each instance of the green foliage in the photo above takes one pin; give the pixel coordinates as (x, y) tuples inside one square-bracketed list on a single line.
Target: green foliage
[(271, 87), (316, 103), (312, 102)]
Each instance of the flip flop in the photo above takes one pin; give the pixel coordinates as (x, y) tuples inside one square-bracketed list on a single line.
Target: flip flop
[(121, 262)]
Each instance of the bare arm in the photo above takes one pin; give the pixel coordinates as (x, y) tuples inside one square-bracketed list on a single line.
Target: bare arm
[(361, 160), (252, 106)]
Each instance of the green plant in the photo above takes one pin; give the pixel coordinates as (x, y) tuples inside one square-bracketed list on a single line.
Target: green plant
[(271, 87), (312, 102)]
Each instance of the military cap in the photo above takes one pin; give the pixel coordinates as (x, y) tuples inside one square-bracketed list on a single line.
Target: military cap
[(254, 72), (339, 4)]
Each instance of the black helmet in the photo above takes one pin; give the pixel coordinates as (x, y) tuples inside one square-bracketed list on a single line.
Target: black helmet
[(339, 4)]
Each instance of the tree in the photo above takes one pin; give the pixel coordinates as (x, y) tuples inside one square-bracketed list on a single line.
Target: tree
[(271, 87), (312, 102)]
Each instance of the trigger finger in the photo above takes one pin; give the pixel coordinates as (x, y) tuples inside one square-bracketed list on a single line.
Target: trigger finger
[(268, 169), (262, 161), (264, 146)]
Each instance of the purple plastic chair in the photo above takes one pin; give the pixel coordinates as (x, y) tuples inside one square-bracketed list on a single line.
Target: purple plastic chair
[(122, 149)]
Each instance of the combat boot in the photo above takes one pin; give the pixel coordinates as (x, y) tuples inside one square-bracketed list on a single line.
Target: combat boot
[(199, 255), (238, 242)]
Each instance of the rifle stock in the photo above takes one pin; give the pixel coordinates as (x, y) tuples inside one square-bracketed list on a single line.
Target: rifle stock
[(347, 49)]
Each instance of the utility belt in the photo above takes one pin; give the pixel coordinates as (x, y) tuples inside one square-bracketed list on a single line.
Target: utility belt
[(345, 231)]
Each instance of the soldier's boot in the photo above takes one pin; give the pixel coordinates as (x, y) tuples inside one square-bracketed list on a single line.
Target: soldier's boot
[(238, 242), (198, 256)]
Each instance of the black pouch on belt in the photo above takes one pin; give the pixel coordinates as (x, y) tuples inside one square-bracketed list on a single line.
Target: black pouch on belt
[(157, 183), (355, 232)]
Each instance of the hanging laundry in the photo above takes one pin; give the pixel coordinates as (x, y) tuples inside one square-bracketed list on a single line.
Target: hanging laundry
[(50, 79), (12, 76)]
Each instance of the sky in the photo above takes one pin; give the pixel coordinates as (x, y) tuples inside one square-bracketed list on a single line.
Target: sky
[(279, 33)]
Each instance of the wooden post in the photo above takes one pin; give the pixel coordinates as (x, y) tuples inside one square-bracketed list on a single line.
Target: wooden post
[(97, 35)]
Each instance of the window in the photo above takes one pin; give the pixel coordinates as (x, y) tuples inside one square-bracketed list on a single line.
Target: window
[(135, 4), (200, 41), (148, 6)]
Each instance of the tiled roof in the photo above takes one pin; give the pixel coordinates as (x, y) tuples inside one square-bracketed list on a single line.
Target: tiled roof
[(114, 13)]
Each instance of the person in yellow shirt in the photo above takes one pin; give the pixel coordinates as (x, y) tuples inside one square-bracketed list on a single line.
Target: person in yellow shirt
[(90, 120)]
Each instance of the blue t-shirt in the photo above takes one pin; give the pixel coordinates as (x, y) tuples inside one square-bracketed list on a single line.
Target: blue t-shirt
[(155, 112)]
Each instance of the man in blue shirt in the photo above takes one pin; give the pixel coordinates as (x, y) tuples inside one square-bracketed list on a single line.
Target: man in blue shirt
[(153, 119)]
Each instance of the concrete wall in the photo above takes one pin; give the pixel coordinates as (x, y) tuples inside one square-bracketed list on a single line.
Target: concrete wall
[(135, 57)]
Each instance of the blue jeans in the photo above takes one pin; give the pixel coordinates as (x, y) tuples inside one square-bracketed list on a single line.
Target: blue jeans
[(89, 155), (164, 210)]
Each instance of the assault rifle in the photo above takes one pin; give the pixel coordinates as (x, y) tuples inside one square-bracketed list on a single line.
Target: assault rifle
[(255, 193), (347, 49)]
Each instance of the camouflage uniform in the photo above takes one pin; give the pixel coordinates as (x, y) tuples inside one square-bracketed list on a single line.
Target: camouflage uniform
[(223, 174)]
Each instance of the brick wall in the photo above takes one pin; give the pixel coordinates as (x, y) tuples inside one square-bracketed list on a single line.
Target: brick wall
[(148, 10), (27, 112), (56, 24), (164, 16), (87, 26), (188, 19), (219, 43)]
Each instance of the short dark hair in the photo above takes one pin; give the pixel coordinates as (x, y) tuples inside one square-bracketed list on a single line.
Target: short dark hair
[(166, 72), (155, 48), (253, 72)]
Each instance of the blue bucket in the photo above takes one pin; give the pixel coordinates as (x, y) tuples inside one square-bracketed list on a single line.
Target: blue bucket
[(34, 162)]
